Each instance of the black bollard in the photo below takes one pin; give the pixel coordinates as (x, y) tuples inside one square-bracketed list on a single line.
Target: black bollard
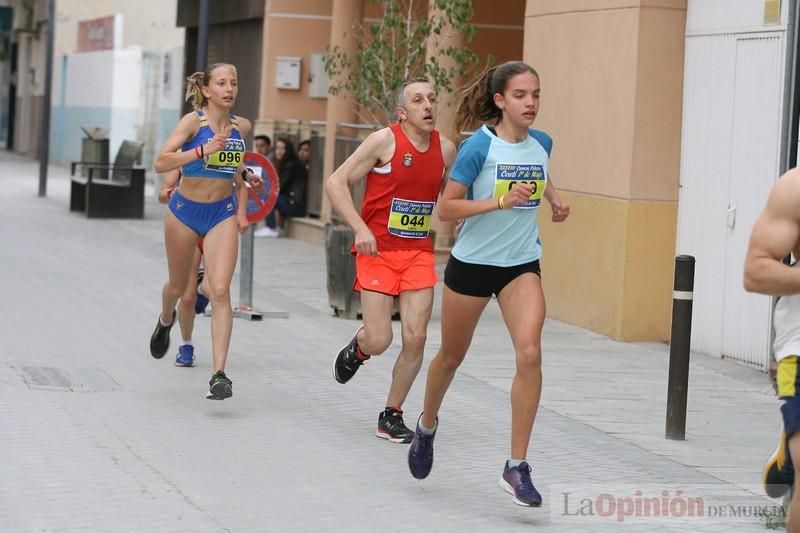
[(679, 347)]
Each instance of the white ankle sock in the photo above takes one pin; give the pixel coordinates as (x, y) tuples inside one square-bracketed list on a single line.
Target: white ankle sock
[(425, 430)]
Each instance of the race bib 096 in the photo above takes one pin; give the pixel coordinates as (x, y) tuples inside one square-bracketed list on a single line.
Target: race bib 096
[(228, 159)]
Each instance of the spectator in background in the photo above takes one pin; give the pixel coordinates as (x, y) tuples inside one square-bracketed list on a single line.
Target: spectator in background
[(292, 198), (304, 153), (263, 146)]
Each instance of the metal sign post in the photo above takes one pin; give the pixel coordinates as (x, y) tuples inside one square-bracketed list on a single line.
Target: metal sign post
[(44, 151), (245, 307), (257, 210)]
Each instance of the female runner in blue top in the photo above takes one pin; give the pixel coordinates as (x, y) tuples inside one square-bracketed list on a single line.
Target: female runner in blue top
[(496, 185), (208, 144)]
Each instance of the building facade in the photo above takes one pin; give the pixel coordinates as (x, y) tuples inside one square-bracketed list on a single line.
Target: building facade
[(669, 120), (112, 63)]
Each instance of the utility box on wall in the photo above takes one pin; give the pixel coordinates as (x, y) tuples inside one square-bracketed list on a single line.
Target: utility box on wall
[(318, 79), (288, 73)]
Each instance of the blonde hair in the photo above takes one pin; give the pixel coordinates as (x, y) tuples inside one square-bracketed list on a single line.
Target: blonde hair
[(477, 100), (197, 81)]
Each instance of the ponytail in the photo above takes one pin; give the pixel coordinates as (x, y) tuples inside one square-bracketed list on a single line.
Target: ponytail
[(197, 81), (477, 100), (193, 93), (477, 103)]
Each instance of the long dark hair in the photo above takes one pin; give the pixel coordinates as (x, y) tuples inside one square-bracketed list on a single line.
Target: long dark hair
[(289, 156), (477, 100)]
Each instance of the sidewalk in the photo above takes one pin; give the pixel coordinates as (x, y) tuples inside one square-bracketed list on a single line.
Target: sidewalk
[(99, 436)]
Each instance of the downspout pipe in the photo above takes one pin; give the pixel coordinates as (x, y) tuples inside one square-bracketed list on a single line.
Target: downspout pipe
[(789, 133), (791, 93)]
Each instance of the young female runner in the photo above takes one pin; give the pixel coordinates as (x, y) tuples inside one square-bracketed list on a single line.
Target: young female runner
[(208, 144), (496, 185)]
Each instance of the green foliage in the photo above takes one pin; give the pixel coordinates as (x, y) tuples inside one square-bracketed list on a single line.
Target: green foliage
[(398, 47)]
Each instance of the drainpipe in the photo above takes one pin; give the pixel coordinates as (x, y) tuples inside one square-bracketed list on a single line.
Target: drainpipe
[(202, 37), (44, 145), (789, 133), (791, 94)]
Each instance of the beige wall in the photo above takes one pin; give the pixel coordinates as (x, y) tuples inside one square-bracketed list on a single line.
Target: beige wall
[(293, 29), (499, 34), (611, 74), (588, 95), (649, 266), (610, 267), (659, 96)]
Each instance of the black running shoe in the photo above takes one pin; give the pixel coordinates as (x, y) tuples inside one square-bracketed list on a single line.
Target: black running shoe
[(347, 362), (779, 471), (392, 428), (220, 387), (159, 340)]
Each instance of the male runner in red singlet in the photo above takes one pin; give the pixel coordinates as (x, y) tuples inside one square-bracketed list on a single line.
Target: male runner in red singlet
[(405, 165)]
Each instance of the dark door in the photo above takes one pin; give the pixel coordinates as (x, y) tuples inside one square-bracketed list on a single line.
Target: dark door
[(238, 43)]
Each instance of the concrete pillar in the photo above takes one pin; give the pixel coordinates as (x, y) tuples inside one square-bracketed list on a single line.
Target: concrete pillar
[(340, 107), (448, 101), (612, 83)]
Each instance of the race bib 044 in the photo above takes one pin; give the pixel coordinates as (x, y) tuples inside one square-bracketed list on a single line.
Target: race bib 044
[(410, 219), (507, 175), (228, 159)]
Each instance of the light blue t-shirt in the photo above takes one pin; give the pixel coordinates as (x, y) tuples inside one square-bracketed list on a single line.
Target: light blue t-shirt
[(489, 167)]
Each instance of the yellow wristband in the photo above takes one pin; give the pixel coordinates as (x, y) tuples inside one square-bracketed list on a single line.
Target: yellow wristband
[(500, 203)]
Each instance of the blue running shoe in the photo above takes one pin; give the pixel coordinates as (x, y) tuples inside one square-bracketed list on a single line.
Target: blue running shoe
[(517, 482), (202, 301), (185, 355), (420, 453)]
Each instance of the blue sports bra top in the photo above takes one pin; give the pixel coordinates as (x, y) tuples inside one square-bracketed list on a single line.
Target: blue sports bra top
[(222, 164)]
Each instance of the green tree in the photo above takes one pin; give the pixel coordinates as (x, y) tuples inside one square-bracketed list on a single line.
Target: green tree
[(407, 41)]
